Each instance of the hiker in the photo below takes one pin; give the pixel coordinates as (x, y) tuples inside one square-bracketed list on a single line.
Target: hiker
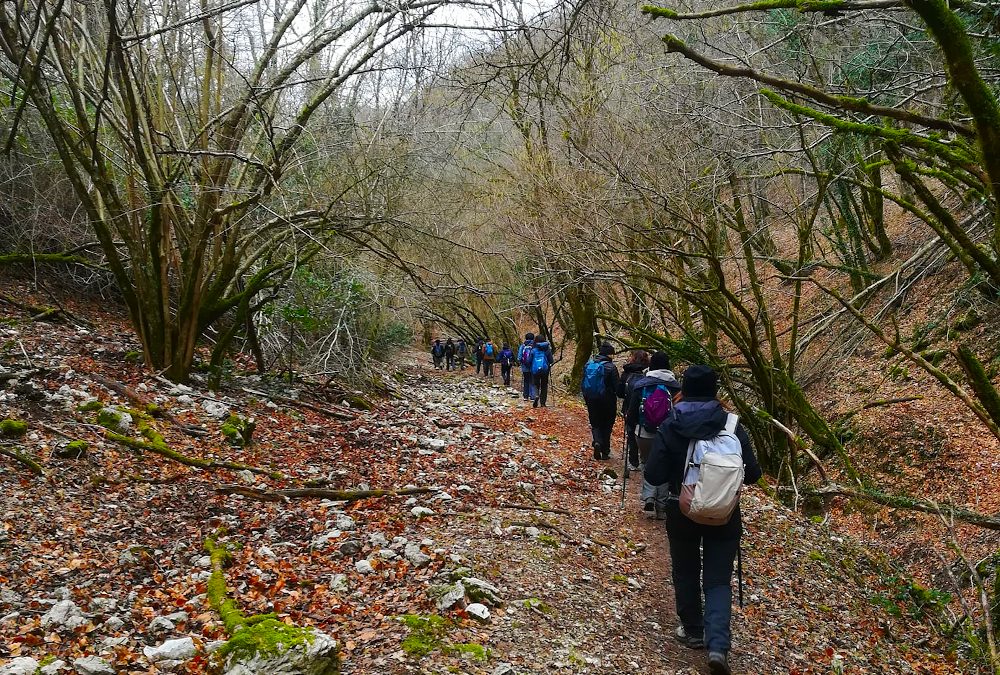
[(541, 364), (490, 354), (638, 362), (437, 353), (700, 425), (524, 358), (479, 354), (460, 351), (449, 354), (599, 387), (506, 359), (650, 404)]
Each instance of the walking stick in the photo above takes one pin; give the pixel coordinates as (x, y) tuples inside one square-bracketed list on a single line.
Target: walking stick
[(624, 458), (739, 570)]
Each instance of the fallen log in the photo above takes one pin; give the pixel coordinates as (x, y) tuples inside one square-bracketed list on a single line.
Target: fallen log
[(146, 407), (317, 493), (964, 515), (335, 414), (31, 463), (529, 507)]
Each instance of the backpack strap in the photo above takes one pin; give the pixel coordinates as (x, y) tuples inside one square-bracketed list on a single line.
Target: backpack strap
[(731, 422)]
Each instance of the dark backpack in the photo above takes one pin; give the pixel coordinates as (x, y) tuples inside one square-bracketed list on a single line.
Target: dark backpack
[(593, 380), (438, 350), (655, 406)]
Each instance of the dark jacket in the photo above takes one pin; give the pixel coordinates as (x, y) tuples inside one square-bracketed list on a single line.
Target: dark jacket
[(506, 357), (630, 373), (695, 419), (652, 377), (609, 398), (449, 348)]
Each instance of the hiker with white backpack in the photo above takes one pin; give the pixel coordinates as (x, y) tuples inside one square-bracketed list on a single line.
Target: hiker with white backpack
[(704, 455)]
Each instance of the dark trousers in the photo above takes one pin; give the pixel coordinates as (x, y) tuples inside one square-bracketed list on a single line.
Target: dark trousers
[(479, 363), (602, 423), (487, 368), (505, 373), (632, 441), (541, 386), (702, 564), (450, 361), (526, 384)]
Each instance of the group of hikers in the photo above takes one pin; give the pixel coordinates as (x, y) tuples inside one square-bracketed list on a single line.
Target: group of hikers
[(533, 356), (694, 457)]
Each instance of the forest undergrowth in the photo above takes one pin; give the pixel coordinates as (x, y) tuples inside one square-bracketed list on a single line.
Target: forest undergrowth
[(502, 498)]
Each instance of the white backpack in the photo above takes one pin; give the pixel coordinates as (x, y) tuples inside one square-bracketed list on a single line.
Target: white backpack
[(713, 476)]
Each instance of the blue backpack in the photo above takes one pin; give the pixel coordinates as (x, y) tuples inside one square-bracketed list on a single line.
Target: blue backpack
[(539, 361), (593, 380)]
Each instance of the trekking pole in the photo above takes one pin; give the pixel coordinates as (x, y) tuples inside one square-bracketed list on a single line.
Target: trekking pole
[(624, 459), (739, 570)]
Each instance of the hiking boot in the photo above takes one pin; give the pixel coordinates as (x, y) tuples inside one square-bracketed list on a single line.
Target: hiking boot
[(632, 466), (691, 641), (661, 514), (649, 506), (597, 451), (534, 403), (718, 664)]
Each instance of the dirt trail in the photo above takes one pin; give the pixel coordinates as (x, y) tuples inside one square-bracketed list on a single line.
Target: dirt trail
[(119, 534)]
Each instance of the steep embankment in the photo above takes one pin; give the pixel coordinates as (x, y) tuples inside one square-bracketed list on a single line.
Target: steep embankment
[(572, 581)]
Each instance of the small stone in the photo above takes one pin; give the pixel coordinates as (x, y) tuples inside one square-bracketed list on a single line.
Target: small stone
[(103, 605), (204, 561), (338, 583), (93, 665), (421, 512), (441, 497), (184, 399), (364, 567), (114, 623), (504, 669), (532, 531), (415, 556), (350, 548), (634, 584), (171, 650), (215, 409), (178, 617), (266, 552), (64, 614), (387, 554), (478, 611), (160, 624), (20, 666), (54, 668), (451, 595), (345, 522), (378, 540)]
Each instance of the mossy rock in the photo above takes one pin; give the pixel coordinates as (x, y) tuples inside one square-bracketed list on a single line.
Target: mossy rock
[(72, 450), (90, 406), (238, 431), (10, 428)]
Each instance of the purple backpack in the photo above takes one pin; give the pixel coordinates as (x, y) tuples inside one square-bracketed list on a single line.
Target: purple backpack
[(655, 407)]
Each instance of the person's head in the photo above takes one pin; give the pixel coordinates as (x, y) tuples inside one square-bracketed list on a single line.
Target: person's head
[(506, 346), (659, 361), (639, 357), (437, 340), (529, 337), (700, 382), (607, 349), (450, 340)]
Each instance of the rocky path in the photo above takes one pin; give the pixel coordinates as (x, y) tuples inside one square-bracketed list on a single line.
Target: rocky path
[(103, 566)]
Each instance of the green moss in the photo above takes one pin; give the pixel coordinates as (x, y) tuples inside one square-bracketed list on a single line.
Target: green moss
[(548, 540), (153, 410), (266, 637), (133, 357), (477, 651), (91, 406), (13, 428), (427, 633), (238, 431), (109, 419), (535, 603)]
